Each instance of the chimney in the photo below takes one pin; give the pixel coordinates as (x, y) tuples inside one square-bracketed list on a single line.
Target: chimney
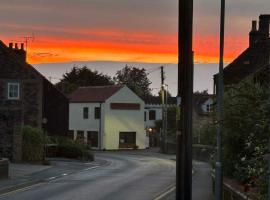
[(21, 53), (10, 45), (253, 34), (264, 26)]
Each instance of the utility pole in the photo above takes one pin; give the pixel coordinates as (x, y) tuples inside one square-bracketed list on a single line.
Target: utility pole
[(185, 93), (220, 91), (268, 156), (163, 110)]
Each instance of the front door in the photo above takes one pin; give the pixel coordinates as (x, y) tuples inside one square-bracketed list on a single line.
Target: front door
[(127, 140), (92, 138)]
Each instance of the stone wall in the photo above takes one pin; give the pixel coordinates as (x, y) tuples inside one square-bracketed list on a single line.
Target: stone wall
[(11, 136)]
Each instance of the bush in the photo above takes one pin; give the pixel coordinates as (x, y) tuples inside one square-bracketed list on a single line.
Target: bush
[(68, 148), (33, 144)]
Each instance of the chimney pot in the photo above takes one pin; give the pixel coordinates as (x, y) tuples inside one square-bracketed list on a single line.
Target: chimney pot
[(16, 45), (22, 46), (254, 25), (10, 45)]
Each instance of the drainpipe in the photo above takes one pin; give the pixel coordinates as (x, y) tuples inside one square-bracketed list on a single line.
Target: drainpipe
[(100, 134)]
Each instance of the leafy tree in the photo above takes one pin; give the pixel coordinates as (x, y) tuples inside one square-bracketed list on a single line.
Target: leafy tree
[(136, 79), (82, 77), (246, 133)]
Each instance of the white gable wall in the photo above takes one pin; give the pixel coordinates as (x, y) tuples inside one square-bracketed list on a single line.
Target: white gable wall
[(116, 121), (78, 123)]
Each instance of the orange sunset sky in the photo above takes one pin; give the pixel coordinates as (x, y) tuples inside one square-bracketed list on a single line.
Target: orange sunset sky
[(123, 30)]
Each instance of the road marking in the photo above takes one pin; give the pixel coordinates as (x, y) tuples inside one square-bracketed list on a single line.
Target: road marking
[(51, 178), (64, 174), (165, 193), (20, 190), (91, 168)]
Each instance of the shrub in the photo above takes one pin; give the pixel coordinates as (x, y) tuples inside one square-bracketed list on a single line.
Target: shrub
[(33, 144), (68, 148)]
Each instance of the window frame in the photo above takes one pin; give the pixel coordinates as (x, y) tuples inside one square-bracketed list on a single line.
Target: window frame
[(97, 114), (85, 113), (8, 90)]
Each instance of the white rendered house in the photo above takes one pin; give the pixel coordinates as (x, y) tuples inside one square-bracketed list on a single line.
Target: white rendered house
[(108, 117)]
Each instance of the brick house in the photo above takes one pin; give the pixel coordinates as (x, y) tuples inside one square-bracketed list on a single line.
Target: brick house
[(26, 97), (254, 61)]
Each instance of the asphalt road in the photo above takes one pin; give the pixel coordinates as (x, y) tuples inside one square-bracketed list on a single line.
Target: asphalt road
[(126, 176)]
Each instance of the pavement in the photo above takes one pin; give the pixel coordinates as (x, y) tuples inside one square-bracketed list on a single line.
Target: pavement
[(201, 183), (25, 175)]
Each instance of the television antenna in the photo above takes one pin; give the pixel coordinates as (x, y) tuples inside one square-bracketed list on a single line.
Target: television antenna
[(27, 39)]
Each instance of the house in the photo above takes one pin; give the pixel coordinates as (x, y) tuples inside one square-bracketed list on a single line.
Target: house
[(26, 98), (254, 61), (153, 114), (201, 115), (107, 117)]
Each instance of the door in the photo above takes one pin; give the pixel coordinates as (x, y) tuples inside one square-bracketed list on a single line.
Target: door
[(92, 138), (127, 140)]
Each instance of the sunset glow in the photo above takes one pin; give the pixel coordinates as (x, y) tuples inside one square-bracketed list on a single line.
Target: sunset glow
[(121, 30)]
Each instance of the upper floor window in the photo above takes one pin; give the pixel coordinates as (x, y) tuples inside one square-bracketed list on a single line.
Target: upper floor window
[(152, 115), (97, 112), (85, 113), (13, 91), (145, 116)]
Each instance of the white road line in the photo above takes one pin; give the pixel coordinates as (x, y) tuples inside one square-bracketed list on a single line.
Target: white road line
[(164, 194), (91, 168)]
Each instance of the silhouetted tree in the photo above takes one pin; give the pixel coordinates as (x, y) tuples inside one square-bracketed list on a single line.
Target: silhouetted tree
[(82, 77), (136, 79)]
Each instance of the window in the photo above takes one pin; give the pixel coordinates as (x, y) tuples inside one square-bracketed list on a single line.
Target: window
[(208, 108), (97, 112), (85, 113), (127, 139), (152, 115), (145, 116), (13, 91)]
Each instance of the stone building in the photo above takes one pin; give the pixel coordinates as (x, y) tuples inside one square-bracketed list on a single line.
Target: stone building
[(254, 61), (26, 97)]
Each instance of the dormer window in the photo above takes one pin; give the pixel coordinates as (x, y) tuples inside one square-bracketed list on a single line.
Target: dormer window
[(13, 91)]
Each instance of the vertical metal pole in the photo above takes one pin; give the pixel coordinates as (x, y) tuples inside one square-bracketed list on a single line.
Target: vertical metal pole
[(163, 111), (219, 181), (185, 92)]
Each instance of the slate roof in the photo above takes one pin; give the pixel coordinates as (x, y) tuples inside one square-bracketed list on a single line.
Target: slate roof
[(249, 62), (157, 100), (93, 93)]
